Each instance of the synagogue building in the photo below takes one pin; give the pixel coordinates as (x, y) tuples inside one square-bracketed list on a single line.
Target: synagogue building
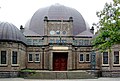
[(56, 38)]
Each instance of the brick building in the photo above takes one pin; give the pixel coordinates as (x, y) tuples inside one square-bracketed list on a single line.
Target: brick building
[(56, 38)]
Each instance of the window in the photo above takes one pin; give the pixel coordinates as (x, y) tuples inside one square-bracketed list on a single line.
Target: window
[(37, 58), (64, 41), (87, 57), (14, 57), (116, 57), (64, 32), (105, 57), (57, 32), (29, 41), (3, 57), (86, 42), (57, 41), (30, 57), (81, 57), (80, 42), (90, 42), (75, 42), (40, 42), (51, 40), (35, 41)]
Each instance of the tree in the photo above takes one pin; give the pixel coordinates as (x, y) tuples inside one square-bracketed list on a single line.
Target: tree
[(109, 26)]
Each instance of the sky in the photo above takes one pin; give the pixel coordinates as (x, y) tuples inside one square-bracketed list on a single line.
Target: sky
[(18, 12)]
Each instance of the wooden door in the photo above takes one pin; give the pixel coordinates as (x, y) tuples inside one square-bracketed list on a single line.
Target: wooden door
[(60, 61)]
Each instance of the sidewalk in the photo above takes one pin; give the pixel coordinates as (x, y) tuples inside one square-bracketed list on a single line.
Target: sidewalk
[(21, 79)]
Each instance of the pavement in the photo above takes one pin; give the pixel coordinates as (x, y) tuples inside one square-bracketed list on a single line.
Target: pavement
[(22, 79)]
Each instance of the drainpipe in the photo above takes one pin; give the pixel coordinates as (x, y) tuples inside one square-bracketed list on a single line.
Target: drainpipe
[(75, 57), (43, 48)]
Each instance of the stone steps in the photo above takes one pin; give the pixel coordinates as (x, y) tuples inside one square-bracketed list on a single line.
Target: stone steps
[(61, 75), (8, 74)]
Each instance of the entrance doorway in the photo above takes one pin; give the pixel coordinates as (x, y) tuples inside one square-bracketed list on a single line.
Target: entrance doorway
[(60, 61)]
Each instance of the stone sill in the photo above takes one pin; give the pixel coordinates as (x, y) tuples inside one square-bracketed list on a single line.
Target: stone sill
[(105, 65), (3, 65), (37, 61), (30, 61), (15, 65), (116, 65)]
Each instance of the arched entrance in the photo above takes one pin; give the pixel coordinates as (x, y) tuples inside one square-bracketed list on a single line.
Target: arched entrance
[(60, 61)]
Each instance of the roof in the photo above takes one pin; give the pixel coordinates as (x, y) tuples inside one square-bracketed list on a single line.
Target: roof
[(56, 12), (28, 32), (85, 33), (9, 32)]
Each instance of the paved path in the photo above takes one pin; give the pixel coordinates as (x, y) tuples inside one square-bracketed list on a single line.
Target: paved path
[(21, 79)]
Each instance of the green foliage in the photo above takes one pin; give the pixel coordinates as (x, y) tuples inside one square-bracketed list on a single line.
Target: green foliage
[(27, 70), (26, 73), (109, 24)]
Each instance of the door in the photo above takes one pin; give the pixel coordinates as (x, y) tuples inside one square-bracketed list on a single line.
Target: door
[(60, 61)]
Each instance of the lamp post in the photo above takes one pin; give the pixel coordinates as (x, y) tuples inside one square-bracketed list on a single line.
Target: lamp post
[(43, 48)]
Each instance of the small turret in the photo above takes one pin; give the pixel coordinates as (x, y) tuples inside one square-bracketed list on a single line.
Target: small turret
[(71, 19), (21, 28), (92, 30), (45, 18)]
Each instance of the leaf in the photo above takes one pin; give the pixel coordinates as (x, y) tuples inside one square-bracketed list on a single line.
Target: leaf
[(109, 33)]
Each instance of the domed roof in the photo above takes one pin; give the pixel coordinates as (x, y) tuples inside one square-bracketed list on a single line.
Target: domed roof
[(9, 32), (85, 33), (56, 12)]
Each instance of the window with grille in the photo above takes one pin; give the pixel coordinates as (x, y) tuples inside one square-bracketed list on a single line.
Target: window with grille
[(30, 57), (14, 57), (105, 57), (3, 57), (116, 57), (87, 57), (81, 57), (37, 57)]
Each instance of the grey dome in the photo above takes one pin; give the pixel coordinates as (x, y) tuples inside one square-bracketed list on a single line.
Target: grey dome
[(57, 11), (9, 32)]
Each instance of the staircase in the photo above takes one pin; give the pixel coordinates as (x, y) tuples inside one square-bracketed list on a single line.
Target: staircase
[(8, 74), (60, 75)]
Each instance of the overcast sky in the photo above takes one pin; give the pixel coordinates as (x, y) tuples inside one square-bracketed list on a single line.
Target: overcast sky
[(19, 12)]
